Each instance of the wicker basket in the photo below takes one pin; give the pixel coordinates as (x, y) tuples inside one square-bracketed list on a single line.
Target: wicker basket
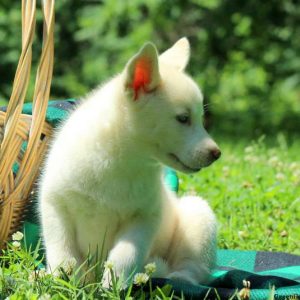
[(23, 138)]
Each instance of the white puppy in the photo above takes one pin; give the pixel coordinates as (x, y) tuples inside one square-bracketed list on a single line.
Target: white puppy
[(102, 186)]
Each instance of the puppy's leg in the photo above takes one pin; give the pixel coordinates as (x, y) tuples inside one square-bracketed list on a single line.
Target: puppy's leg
[(58, 238), (193, 251), (131, 248)]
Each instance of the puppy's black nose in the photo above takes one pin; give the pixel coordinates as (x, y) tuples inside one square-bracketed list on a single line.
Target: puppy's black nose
[(215, 153)]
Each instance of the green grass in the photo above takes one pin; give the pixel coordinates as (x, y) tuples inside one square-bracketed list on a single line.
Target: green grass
[(254, 190), (21, 278)]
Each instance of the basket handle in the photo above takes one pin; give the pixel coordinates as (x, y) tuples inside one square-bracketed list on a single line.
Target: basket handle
[(19, 89), (42, 87)]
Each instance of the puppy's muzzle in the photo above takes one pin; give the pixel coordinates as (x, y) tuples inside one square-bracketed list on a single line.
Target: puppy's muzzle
[(215, 153)]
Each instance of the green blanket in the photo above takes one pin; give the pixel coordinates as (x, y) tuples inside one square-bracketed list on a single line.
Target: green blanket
[(263, 269)]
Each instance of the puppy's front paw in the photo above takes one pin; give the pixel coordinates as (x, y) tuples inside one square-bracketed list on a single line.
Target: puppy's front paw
[(110, 277), (106, 279), (67, 267)]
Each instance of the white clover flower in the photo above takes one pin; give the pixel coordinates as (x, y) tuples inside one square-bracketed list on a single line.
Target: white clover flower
[(109, 265), (16, 244), (140, 278), (246, 284), (245, 292), (42, 272), (150, 268), (37, 274), (243, 234), (32, 276), (44, 297), (17, 236), (280, 176), (284, 233)]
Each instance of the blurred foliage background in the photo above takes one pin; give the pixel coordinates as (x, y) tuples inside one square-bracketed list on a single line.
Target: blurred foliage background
[(245, 54)]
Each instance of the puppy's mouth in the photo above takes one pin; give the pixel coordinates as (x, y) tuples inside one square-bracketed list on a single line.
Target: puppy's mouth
[(184, 166)]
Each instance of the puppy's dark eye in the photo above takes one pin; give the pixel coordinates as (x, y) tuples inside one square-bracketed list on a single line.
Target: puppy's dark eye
[(184, 119)]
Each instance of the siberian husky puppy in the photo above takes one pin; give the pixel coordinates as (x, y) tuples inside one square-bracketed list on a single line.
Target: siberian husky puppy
[(103, 188)]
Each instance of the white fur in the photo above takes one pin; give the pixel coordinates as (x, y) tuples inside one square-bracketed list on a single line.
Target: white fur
[(102, 187)]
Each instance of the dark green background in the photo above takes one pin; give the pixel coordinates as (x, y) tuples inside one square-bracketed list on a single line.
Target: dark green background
[(245, 54)]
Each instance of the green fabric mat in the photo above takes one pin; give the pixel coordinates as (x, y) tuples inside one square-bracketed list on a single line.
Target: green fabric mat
[(262, 269)]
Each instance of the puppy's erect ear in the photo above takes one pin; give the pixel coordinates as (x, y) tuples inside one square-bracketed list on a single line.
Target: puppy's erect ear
[(178, 55), (142, 73)]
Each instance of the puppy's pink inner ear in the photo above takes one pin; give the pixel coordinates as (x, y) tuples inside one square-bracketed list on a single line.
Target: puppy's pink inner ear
[(141, 77)]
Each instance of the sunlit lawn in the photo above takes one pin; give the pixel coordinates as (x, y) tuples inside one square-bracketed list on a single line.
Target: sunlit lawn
[(255, 191)]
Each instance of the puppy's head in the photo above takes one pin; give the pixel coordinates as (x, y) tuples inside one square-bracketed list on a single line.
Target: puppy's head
[(165, 108)]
